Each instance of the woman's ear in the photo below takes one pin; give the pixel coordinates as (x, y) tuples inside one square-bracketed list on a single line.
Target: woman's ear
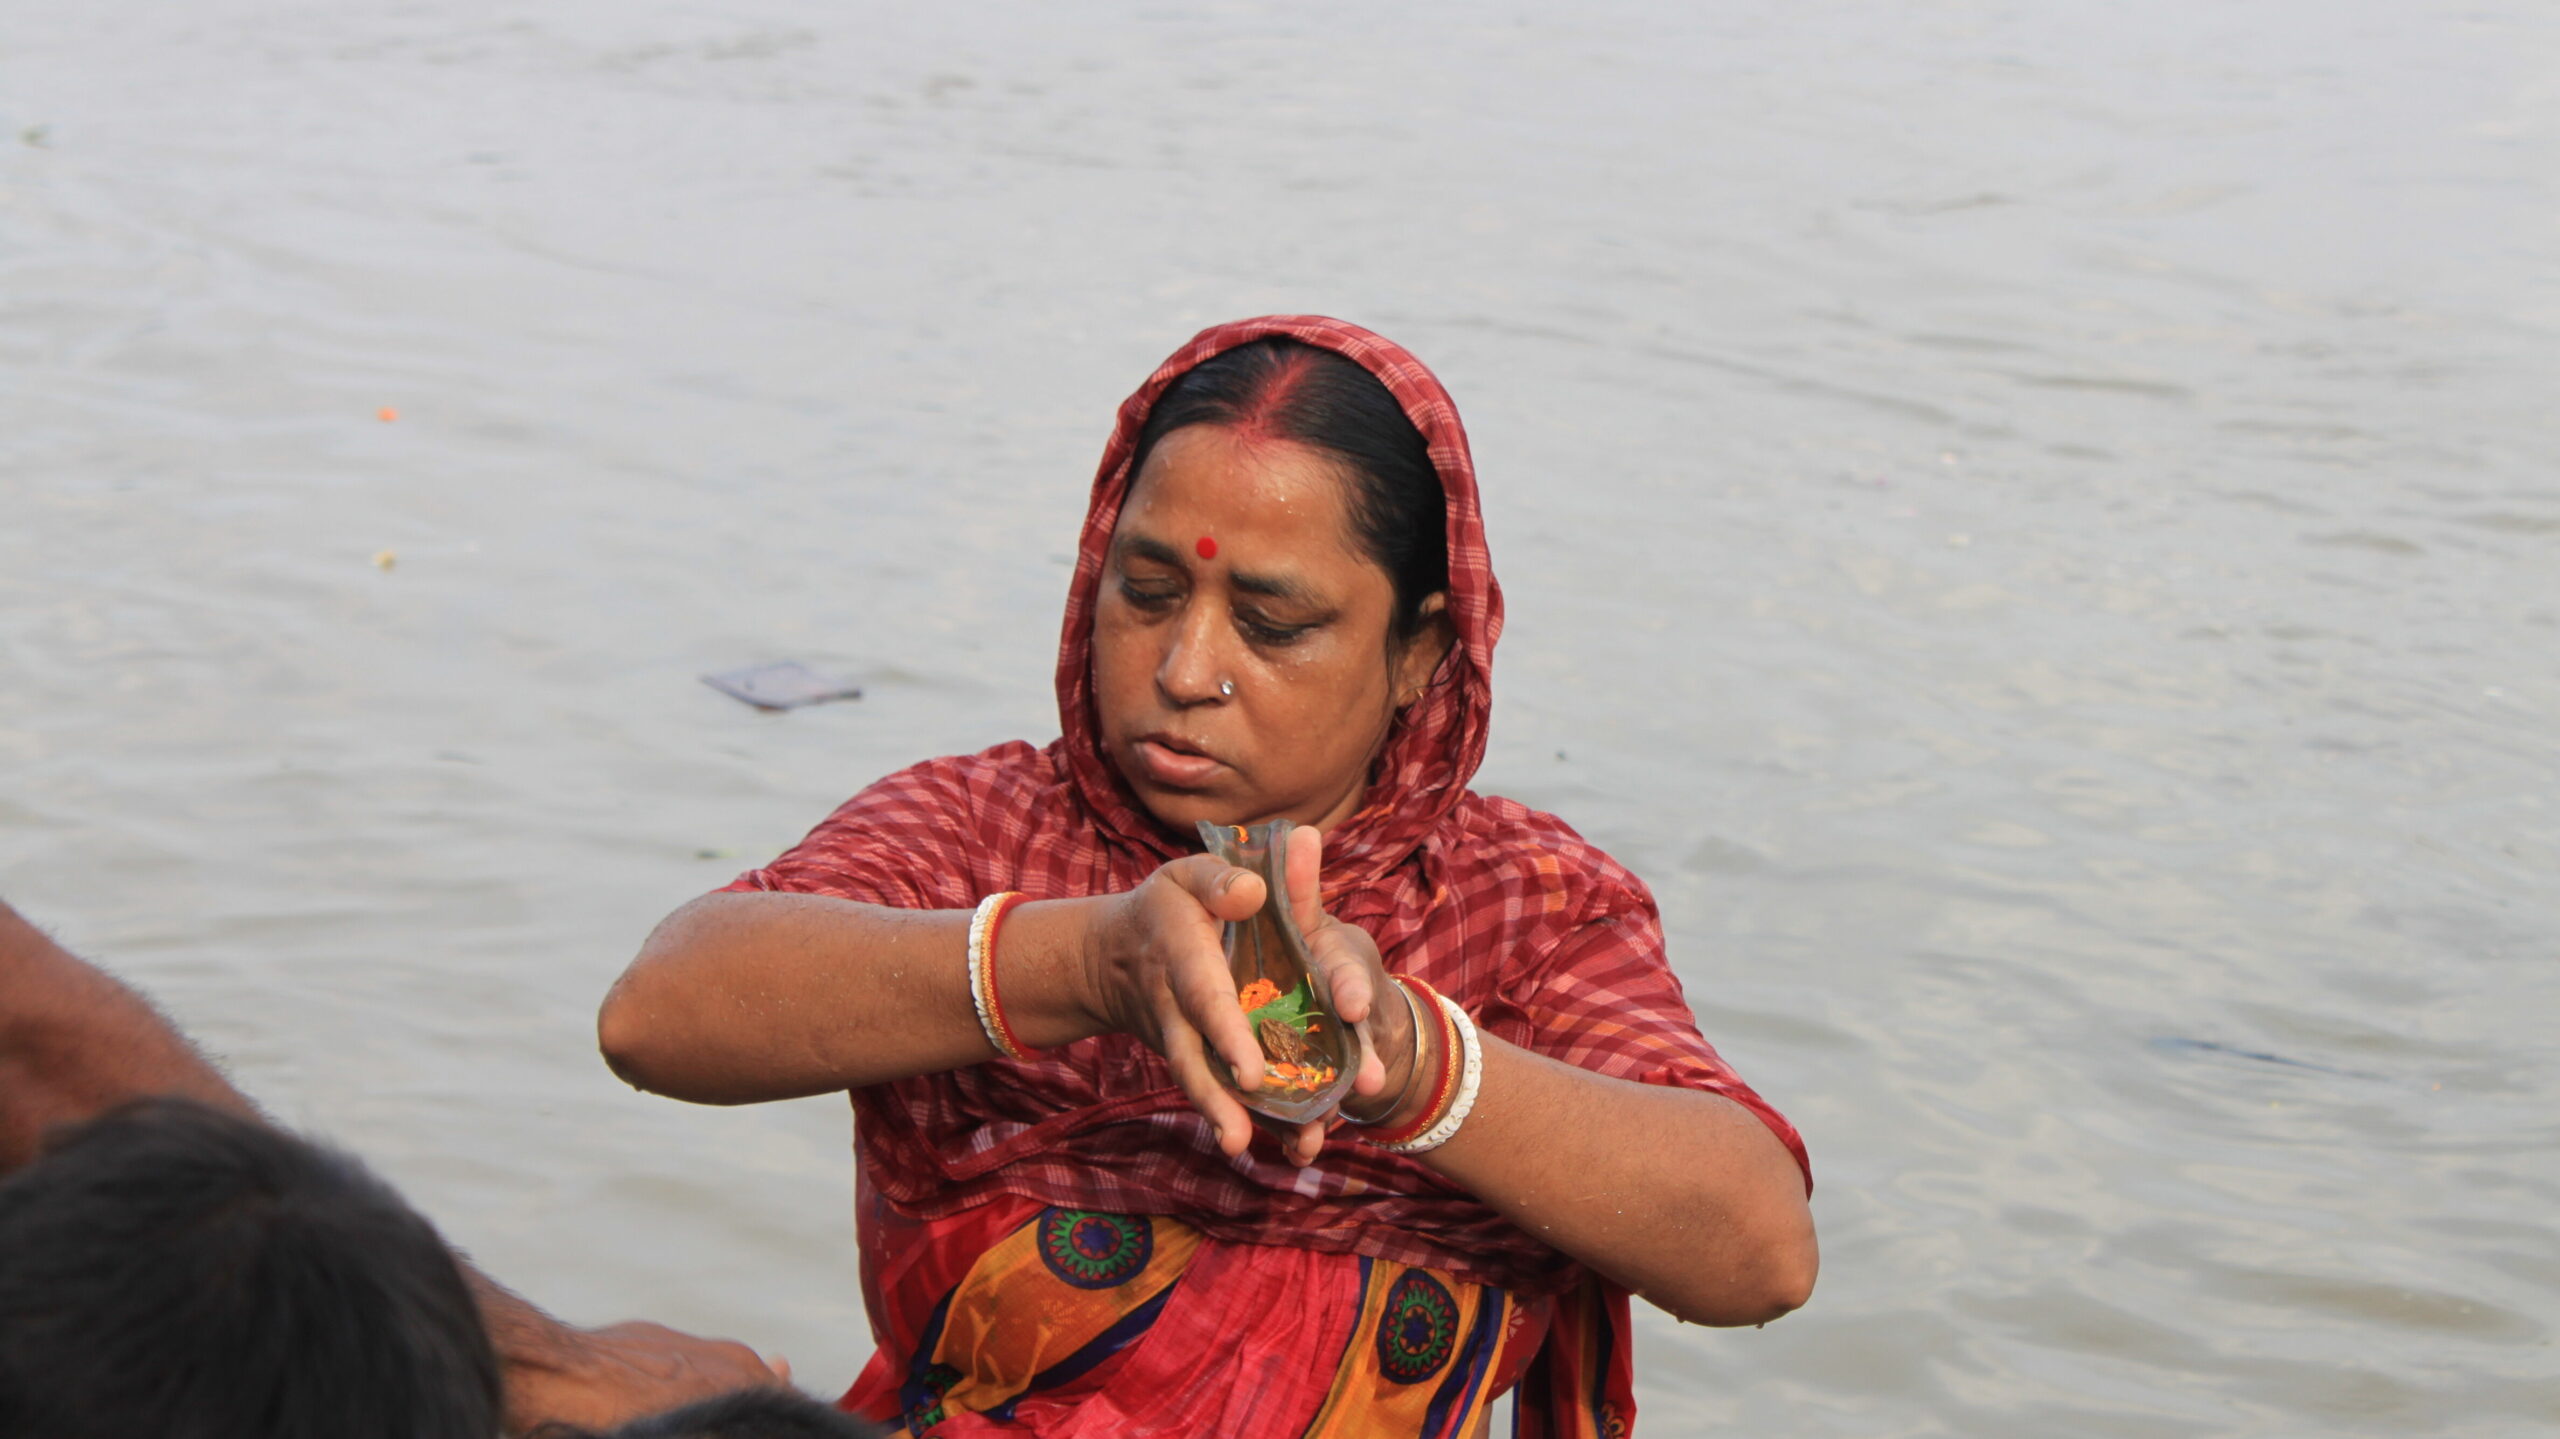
[(1423, 651)]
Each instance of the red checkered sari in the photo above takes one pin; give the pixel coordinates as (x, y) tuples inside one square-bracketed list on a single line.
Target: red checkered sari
[(1545, 939)]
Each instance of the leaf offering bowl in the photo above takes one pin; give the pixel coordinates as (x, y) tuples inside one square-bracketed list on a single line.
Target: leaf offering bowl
[(1308, 1055)]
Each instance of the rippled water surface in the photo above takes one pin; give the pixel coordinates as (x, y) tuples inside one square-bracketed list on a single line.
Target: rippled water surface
[(2037, 528)]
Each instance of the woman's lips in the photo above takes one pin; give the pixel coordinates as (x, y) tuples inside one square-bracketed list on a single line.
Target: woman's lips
[(1175, 765)]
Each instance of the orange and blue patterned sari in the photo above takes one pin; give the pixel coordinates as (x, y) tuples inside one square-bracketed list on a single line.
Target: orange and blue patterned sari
[(1018, 1318)]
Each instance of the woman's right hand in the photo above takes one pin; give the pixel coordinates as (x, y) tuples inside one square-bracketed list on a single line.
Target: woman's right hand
[(1155, 966)]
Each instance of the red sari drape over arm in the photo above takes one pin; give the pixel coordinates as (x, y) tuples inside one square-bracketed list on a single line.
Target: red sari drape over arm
[(1549, 942)]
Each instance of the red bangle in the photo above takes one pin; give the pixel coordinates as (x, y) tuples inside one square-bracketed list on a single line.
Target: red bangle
[(1006, 1042), (1443, 1086)]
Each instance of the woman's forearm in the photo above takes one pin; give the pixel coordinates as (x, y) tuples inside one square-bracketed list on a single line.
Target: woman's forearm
[(1684, 1197), (737, 998)]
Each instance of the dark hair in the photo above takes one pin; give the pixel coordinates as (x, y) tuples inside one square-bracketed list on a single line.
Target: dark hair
[(1287, 390), (746, 1414), (172, 1270)]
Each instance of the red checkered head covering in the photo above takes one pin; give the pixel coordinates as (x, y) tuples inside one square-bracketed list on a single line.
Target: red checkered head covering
[(1436, 743)]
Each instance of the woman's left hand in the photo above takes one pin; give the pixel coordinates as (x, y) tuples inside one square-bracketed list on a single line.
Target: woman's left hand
[(1705, 1209), (1362, 996)]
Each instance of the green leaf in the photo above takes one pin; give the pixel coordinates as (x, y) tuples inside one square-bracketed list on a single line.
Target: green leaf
[(1294, 1006)]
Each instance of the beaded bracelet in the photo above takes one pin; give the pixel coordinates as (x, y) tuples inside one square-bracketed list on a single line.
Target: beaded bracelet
[(982, 972), (1444, 1083), (1467, 1062)]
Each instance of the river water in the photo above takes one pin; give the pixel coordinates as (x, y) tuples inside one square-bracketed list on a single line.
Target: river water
[(2037, 528)]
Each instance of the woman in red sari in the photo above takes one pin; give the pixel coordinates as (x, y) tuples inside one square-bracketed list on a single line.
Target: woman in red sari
[(1282, 608)]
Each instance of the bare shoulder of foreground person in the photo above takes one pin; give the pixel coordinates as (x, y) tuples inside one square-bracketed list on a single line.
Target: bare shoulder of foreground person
[(74, 1042)]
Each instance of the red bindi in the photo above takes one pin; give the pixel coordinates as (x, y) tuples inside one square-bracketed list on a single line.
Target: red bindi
[(1207, 547)]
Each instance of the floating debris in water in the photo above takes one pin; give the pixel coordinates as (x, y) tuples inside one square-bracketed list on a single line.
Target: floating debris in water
[(385, 559), (2173, 1043), (386, 414), (784, 686)]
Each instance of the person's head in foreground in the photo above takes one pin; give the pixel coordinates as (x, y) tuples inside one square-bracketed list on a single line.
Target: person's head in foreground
[(1282, 608), (172, 1271)]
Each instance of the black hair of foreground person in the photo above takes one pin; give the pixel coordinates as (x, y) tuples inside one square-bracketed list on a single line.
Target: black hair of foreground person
[(174, 1271), (747, 1414)]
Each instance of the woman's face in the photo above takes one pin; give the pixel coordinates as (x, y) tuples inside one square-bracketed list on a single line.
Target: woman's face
[(1234, 562)]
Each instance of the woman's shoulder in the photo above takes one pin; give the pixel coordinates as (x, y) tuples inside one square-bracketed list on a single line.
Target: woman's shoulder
[(1014, 777), (1541, 851), (1013, 767), (934, 834)]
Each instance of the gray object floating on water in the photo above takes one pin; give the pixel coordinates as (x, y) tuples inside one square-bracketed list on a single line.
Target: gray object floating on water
[(784, 686), (2176, 1043)]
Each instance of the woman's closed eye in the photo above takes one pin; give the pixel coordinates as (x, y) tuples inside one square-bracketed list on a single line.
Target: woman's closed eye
[(1149, 594), (1156, 596), (1265, 631)]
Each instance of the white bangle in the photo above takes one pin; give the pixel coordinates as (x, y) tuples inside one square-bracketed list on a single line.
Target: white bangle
[(975, 959), (1468, 1082)]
